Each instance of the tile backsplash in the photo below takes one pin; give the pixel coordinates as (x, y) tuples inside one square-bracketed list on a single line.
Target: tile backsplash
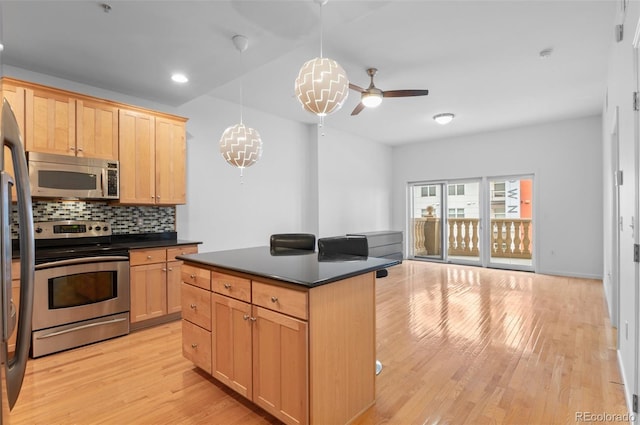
[(123, 219)]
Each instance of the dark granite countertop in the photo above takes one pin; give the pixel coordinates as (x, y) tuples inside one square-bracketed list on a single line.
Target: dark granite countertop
[(292, 266)]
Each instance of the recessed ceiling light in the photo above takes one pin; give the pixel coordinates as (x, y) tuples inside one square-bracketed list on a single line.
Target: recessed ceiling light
[(443, 119), (179, 78)]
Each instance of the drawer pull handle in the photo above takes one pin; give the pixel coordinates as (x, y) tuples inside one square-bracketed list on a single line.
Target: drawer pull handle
[(245, 317), (227, 286), (253, 319), (194, 345), (148, 257), (193, 276), (274, 299), (193, 306)]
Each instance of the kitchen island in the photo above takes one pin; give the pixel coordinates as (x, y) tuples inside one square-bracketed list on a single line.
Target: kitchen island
[(291, 331)]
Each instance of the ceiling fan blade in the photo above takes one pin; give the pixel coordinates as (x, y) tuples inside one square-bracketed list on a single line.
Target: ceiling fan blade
[(356, 88), (404, 93), (358, 109)]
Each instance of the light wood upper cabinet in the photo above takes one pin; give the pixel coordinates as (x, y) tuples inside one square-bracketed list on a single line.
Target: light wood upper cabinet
[(137, 153), (171, 153), (152, 159), (97, 129), (50, 121)]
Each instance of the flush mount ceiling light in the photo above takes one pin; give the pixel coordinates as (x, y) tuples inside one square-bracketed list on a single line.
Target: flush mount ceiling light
[(322, 85), (241, 146), (443, 119), (179, 78)]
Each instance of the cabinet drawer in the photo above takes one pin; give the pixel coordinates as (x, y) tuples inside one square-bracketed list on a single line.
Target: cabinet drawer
[(281, 299), (196, 276), (147, 256), (196, 305), (196, 345), (231, 286), (181, 250)]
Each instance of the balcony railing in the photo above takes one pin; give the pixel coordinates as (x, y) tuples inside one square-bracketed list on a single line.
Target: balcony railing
[(510, 237)]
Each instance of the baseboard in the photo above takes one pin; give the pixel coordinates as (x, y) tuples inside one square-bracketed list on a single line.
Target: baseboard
[(628, 391)]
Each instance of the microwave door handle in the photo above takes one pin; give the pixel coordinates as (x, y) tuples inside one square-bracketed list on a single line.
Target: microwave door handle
[(16, 366), (103, 182)]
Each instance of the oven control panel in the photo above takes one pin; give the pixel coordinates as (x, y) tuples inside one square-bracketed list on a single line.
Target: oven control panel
[(71, 229)]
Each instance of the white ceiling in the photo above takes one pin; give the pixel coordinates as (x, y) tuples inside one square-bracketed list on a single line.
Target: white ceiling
[(479, 59)]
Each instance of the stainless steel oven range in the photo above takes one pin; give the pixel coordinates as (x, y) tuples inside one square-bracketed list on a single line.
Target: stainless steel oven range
[(81, 289)]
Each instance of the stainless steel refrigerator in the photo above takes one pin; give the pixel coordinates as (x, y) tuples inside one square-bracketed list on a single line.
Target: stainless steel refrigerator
[(13, 367)]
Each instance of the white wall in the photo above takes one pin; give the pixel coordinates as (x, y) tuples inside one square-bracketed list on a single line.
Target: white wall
[(565, 159), (225, 211), (327, 184), (354, 184), (621, 83)]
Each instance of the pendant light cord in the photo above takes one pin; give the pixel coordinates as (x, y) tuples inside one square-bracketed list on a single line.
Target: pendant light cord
[(321, 30), (241, 92)]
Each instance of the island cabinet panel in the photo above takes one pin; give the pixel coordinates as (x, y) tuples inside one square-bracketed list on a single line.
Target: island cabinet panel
[(196, 306), (231, 286), (342, 352), (305, 354), (281, 365), (196, 276), (196, 345), (231, 343)]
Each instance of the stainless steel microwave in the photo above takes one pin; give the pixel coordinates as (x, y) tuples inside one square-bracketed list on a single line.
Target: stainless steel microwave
[(70, 177)]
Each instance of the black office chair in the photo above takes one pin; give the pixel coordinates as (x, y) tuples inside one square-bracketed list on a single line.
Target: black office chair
[(288, 241)]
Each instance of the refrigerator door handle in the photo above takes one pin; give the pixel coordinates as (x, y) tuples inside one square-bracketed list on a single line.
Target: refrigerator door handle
[(6, 182), (16, 366)]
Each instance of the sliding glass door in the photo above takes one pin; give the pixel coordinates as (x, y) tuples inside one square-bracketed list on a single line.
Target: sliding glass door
[(511, 228), (485, 222), (427, 205)]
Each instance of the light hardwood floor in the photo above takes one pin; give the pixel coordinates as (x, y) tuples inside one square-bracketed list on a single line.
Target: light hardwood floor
[(459, 345)]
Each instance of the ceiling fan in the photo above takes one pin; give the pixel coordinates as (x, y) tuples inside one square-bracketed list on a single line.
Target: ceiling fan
[(372, 96)]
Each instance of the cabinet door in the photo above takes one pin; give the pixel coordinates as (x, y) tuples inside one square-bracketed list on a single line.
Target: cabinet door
[(50, 122), (231, 343), (97, 129), (148, 291), (280, 365), (174, 280), (170, 161), (137, 157), (16, 97)]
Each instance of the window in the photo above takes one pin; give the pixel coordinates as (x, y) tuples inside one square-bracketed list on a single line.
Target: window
[(428, 191), (456, 212), (498, 190), (456, 189)]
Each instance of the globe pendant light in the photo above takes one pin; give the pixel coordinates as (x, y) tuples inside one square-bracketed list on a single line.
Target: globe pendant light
[(322, 85), (241, 146)]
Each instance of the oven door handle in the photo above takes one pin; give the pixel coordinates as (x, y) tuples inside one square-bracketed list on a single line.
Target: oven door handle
[(81, 260)]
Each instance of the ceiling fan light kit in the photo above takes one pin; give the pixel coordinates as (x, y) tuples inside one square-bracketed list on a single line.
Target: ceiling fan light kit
[(322, 85), (371, 99), (443, 119), (372, 96), (241, 146)]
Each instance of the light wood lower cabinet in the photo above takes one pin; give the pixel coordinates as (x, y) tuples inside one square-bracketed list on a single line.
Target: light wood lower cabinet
[(155, 278)]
